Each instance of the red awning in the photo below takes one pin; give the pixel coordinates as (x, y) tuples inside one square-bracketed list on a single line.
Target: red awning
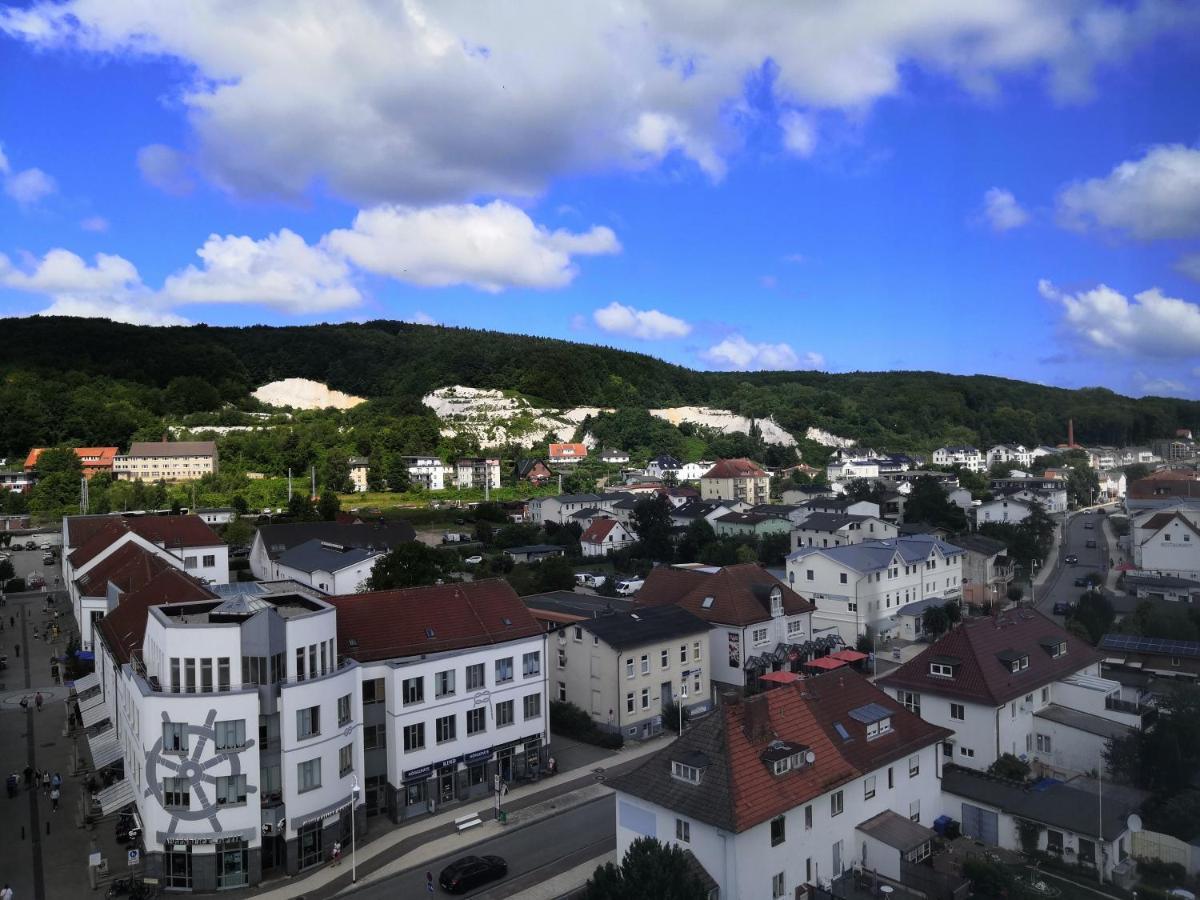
[(1126, 567), (825, 662), (780, 677), (848, 655)]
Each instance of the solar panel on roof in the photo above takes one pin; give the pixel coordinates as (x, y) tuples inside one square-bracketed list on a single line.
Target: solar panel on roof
[(872, 712), (1139, 644)]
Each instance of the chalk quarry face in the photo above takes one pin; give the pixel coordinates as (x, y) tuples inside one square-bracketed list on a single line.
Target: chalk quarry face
[(301, 393)]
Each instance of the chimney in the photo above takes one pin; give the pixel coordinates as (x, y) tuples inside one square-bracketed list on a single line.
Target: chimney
[(756, 720), (166, 436), (1070, 432)]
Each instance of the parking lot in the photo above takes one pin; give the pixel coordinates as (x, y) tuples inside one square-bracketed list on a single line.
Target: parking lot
[(27, 562)]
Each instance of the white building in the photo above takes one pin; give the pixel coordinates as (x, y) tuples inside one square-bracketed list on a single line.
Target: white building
[(968, 457), (166, 461), (835, 530), (330, 568), (785, 789), (427, 471), (1004, 511), (664, 465), (272, 541), (222, 515), (693, 471), (864, 585), (759, 624), (847, 470), (1167, 542), (1017, 454), (360, 468), (475, 472), (605, 536), (560, 509), (1016, 683)]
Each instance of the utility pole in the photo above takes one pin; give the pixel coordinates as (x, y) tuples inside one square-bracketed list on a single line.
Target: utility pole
[(314, 483), (289, 484)]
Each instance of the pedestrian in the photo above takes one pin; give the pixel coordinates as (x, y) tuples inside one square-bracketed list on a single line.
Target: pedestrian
[(428, 883), (6, 893), (12, 621), (24, 702), (54, 795), (335, 856), (38, 700), (46, 782), (56, 781)]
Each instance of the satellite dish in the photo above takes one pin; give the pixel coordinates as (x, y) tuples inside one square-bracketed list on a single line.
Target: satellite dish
[(1134, 822), (811, 758)]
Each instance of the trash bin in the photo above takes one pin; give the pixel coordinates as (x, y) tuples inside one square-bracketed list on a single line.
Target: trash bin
[(502, 817)]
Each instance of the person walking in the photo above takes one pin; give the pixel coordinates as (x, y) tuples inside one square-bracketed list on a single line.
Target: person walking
[(46, 783), (56, 781), (6, 893), (55, 793), (38, 700), (335, 855)]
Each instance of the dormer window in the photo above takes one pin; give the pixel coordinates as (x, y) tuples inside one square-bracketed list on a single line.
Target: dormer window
[(1014, 660), (1055, 646), (784, 756), (684, 772), (776, 602), (875, 729), (941, 670)]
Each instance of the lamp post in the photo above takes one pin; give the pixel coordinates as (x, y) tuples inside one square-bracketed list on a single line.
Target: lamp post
[(353, 832)]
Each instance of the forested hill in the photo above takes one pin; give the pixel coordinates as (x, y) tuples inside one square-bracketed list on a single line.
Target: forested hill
[(97, 382)]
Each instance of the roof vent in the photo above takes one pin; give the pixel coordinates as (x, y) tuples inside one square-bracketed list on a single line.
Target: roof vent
[(507, 622), (353, 642)]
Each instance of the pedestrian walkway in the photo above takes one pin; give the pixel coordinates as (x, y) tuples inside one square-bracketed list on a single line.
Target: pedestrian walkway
[(1116, 557), (566, 882)]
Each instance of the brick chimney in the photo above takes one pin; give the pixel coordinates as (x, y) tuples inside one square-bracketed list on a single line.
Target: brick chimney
[(756, 718)]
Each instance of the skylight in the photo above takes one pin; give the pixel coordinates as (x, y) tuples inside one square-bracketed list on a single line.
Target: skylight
[(708, 602), (841, 730)]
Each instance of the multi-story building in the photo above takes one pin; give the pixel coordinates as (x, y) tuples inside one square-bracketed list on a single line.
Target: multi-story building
[(968, 457), (93, 459), (330, 568), (759, 624), (566, 453), (360, 468), (1162, 489), (663, 466), (736, 479), (987, 570), (272, 541), (166, 461), (1014, 454), (835, 529), (477, 471), (1167, 542), (790, 787), (1015, 683), (1178, 449), (864, 585), (605, 536), (752, 525), (1005, 510), (427, 471), (627, 668), (560, 509), (693, 471), (1050, 492)]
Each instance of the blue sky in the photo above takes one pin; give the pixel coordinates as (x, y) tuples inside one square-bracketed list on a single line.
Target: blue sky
[(1006, 187)]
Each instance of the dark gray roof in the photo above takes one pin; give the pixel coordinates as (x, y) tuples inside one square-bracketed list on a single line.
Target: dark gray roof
[(775, 509), (897, 831), (587, 513), (649, 625), (534, 548), (823, 521), (695, 509), (978, 543), (577, 498), (1081, 721), (1073, 806), (316, 555), (710, 801), (388, 536), (1159, 581), (573, 604)]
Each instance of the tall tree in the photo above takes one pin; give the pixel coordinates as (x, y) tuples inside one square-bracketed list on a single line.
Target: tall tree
[(410, 565), (648, 871), (928, 503), (652, 522), (329, 506)]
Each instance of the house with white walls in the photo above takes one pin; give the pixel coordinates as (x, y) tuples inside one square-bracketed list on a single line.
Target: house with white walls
[(330, 568), (836, 530), (787, 788), (272, 541), (1003, 511), (605, 536), (970, 458), (1167, 542)]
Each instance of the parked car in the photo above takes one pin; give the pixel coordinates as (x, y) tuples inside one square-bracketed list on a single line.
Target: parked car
[(47, 559), (1089, 525), (1082, 582), (1062, 608), (30, 545), (470, 872), (1090, 545), (239, 552), (1072, 559), (35, 580), (45, 548), (630, 586), (473, 560), (590, 579)]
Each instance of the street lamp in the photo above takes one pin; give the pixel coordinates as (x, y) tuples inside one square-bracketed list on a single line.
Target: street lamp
[(353, 830)]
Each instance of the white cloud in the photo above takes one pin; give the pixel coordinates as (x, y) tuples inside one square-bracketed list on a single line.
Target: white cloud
[(280, 270), (29, 187), (166, 169), (1002, 210), (421, 318), (1157, 196), (490, 247), (799, 133), (644, 324), (770, 282), (735, 352), (1151, 386), (119, 310), (418, 103), (1189, 265), (94, 223), (1150, 324)]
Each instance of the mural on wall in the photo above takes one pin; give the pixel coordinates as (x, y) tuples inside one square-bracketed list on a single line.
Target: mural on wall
[(182, 761), (735, 649)]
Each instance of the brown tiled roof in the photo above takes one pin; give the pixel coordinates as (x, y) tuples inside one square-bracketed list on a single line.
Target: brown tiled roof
[(128, 567), (597, 531), (173, 448), (93, 537), (1165, 483), (737, 790), (124, 628), (396, 624), (735, 468), (980, 674), (740, 594), (171, 532), (1160, 521)]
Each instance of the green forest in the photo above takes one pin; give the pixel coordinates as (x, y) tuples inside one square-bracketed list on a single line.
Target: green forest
[(95, 382)]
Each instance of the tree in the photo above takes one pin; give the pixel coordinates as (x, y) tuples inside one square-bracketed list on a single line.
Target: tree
[(1136, 472), (301, 508), (1010, 767), (696, 536), (953, 612), (1094, 613), (329, 506), (934, 621), (1015, 593), (928, 503), (238, 533), (652, 522), (410, 565), (239, 504), (649, 871), (1165, 756), (6, 571), (865, 489), (555, 574)]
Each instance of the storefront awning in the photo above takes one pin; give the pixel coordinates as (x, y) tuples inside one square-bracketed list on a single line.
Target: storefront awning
[(780, 677), (87, 682), (94, 715), (848, 656), (105, 748), (118, 795), (96, 699), (825, 662)]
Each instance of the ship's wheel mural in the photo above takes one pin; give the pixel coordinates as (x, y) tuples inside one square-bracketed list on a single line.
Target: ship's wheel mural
[(197, 774)]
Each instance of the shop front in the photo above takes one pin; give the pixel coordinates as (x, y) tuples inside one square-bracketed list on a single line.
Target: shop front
[(209, 862), (318, 831)]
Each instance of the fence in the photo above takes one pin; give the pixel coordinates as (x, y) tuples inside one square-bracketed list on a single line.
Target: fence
[(1163, 847)]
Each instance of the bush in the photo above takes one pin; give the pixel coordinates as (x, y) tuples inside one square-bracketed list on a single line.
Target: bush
[(1161, 873), (569, 720), (987, 879), (15, 585), (1008, 766)]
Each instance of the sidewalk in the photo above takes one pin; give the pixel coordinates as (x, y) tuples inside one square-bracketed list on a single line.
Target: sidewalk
[(405, 846), (1115, 556), (565, 882)]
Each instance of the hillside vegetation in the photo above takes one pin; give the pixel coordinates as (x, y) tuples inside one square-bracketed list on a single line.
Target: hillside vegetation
[(97, 382)]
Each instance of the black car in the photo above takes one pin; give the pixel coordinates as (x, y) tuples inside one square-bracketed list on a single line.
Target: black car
[(1082, 582), (30, 545), (1090, 545), (1062, 608), (1072, 559), (470, 872), (1089, 525)]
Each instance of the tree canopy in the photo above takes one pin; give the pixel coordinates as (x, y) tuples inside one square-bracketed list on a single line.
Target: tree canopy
[(648, 871)]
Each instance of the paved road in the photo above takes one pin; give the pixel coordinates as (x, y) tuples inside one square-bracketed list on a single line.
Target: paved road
[(1060, 587), (534, 854)]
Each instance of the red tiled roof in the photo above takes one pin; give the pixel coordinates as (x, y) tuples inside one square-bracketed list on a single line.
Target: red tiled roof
[(979, 673), (597, 531), (393, 624), (1165, 483), (124, 628), (741, 595), (105, 461), (825, 662), (128, 567), (570, 451), (171, 532), (94, 538), (735, 468)]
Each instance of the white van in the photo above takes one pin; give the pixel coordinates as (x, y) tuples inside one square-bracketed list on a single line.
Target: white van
[(590, 579), (629, 586)]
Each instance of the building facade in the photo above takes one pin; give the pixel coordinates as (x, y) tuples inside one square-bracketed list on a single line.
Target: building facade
[(166, 461), (476, 472), (737, 480)]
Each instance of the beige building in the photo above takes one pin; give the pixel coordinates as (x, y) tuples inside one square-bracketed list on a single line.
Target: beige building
[(359, 469), (736, 479), (166, 461), (624, 668)]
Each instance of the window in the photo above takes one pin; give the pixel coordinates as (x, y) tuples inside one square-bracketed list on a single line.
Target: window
[(1043, 743), (629, 668), (914, 810), (299, 663), (531, 664), (189, 562), (308, 775), (223, 683), (808, 575), (875, 729), (891, 779), (685, 772), (835, 803), (504, 713), (414, 737), (504, 670), (967, 752), (868, 787), (231, 789), (176, 793), (374, 737), (577, 633), (562, 659), (795, 627), (914, 765), (695, 651), (759, 636), (778, 831), (645, 698), (665, 659), (683, 831), (443, 684), (1045, 695), (373, 691), (413, 690), (562, 691), (476, 680), (958, 712), (206, 675), (343, 707), (209, 561), (175, 683), (910, 700), (175, 737), (808, 817), (683, 653), (308, 722), (345, 760), (630, 703), (476, 720), (777, 885), (230, 735), (533, 706), (941, 670), (645, 664), (843, 578), (445, 729)]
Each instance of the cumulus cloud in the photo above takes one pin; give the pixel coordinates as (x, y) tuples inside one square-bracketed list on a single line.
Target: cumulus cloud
[(1150, 324), (1189, 265), (1157, 196), (166, 169), (280, 270), (1002, 211), (28, 186), (1152, 386), (116, 309), (644, 324), (735, 352), (799, 133), (421, 317), (490, 247), (281, 95)]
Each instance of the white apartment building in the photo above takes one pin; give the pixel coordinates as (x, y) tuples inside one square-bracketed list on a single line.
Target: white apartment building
[(786, 788), (1017, 454), (626, 668), (864, 585), (475, 472), (1004, 511), (847, 470), (970, 458), (427, 471), (1016, 683), (836, 530), (271, 542), (360, 468), (1167, 542), (560, 509), (328, 567), (166, 461), (692, 471)]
